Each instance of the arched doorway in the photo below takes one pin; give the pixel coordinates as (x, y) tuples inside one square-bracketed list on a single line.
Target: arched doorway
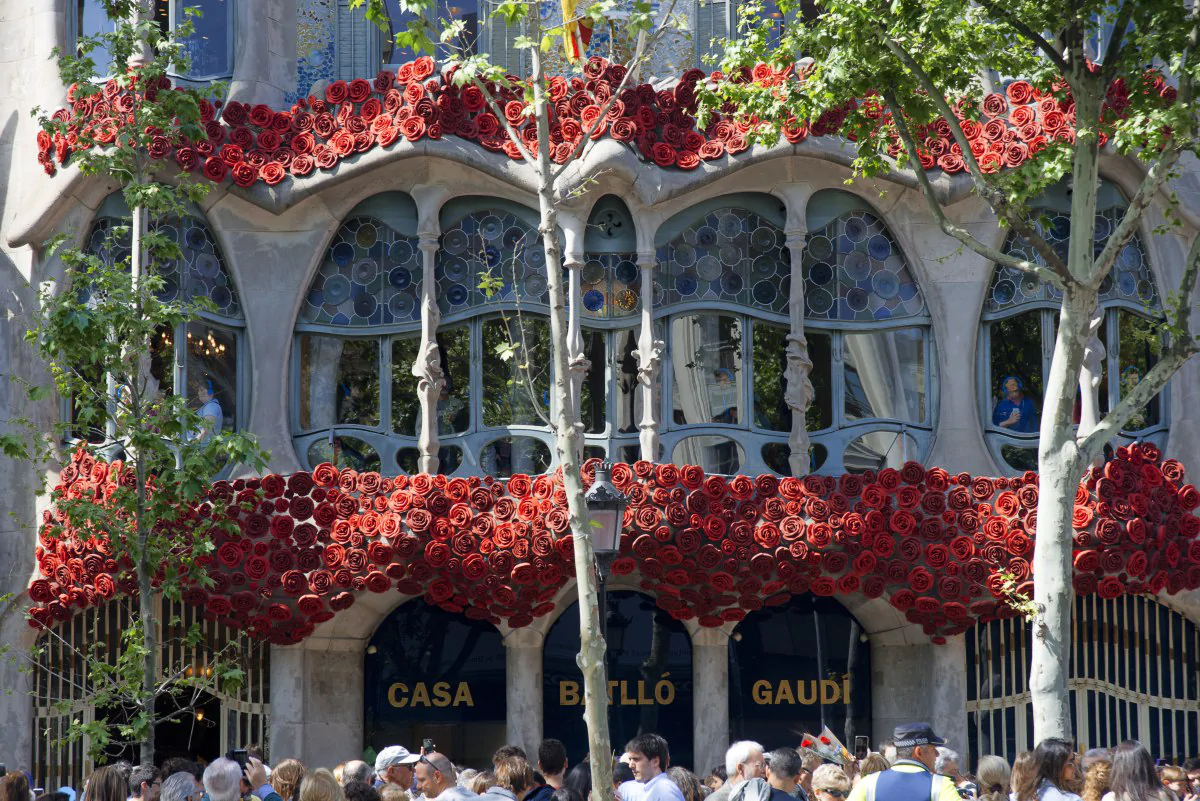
[(796, 668), (435, 674), (649, 677)]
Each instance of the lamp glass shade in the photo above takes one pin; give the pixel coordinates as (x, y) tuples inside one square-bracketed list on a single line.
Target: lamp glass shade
[(606, 530)]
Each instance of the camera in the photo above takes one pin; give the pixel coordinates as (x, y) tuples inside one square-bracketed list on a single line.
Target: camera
[(240, 756)]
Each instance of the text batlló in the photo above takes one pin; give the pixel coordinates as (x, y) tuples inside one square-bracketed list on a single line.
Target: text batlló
[(440, 694), (622, 693), (825, 691)]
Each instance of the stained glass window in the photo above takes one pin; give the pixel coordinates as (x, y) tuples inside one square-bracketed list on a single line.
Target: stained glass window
[(494, 245), (611, 285)]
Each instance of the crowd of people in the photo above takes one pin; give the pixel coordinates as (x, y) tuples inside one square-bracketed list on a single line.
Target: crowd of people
[(915, 765)]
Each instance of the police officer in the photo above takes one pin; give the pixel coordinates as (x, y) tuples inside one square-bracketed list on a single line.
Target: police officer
[(911, 778)]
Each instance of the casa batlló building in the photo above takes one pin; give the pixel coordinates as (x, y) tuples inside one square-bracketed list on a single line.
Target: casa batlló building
[(787, 562)]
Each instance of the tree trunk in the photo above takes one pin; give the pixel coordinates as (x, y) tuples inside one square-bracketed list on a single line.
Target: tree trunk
[(592, 648)]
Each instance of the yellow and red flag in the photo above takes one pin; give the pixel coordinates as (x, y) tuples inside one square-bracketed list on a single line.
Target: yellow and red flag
[(577, 31)]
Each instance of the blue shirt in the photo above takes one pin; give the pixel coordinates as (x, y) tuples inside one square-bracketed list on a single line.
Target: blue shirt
[(1028, 424), (660, 788)]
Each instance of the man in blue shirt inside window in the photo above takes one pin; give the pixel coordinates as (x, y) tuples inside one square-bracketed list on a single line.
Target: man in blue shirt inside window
[(1015, 411)]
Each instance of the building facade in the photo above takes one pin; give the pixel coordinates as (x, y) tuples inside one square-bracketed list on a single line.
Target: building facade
[(328, 286)]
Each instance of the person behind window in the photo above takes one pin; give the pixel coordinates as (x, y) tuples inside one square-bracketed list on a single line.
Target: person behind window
[(724, 393), (450, 411), (1131, 376), (211, 415), (1015, 411)]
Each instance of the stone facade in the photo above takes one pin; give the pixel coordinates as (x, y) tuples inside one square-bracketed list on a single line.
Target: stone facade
[(274, 240)]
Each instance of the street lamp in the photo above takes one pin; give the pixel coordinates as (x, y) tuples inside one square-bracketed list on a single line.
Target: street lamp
[(606, 509)]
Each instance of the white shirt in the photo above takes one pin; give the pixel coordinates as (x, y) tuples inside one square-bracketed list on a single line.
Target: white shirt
[(660, 788)]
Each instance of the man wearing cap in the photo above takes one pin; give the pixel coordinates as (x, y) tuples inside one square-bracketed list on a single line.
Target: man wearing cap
[(911, 776), (394, 765), (438, 781)]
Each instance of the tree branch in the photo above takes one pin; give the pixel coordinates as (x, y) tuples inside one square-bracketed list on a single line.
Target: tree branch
[(949, 227), (1130, 220), (994, 197), (1116, 44), (1029, 33), (1183, 346)]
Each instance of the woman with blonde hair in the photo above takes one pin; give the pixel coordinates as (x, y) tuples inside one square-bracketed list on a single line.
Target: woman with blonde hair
[(286, 778), (830, 783), (873, 763), (1097, 774), (320, 785), (994, 776)]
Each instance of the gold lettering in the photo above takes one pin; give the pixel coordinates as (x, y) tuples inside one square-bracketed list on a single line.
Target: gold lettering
[(806, 699), (568, 693), (783, 695), (441, 693), (463, 696), (612, 685), (643, 699), (760, 691), (420, 696), (398, 695), (830, 692), (845, 688), (664, 693), (625, 699)]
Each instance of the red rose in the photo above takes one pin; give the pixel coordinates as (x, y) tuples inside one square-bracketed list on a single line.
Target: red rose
[(336, 92), (215, 169), (1110, 587), (1019, 92)]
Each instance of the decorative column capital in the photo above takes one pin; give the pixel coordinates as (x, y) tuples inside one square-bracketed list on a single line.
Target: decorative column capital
[(795, 238), (428, 242), (573, 259), (647, 259)]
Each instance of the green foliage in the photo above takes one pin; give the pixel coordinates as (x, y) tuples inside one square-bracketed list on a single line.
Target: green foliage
[(95, 333)]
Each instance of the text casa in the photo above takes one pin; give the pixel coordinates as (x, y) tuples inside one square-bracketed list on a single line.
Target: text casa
[(439, 694)]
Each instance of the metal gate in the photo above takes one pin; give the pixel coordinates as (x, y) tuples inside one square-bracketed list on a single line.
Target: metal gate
[(1133, 675), (62, 687)]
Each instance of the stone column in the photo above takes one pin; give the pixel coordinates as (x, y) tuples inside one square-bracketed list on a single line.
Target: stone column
[(948, 691), (523, 699), (919, 681), (578, 364), (16, 699), (710, 696), (798, 393), (427, 369), (317, 701), (649, 355)]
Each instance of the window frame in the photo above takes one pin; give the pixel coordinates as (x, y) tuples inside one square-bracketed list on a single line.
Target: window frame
[(485, 13)]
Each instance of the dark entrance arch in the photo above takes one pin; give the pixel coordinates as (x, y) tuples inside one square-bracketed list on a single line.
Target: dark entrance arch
[(436, 674), (797, 668), (649, 677)]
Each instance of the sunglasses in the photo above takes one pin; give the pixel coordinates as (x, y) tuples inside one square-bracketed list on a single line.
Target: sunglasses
[(836, 793)]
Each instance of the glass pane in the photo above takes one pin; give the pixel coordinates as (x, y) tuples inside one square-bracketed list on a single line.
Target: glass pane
[(878, 450), (467, 42), (449, 459), (1138, 350), (769, 343), (91, 20), (1017, 372), (454, 403), (516, 371), (87, 412), (819, 415), (885, 375), (629, 399), (776, 454), (817, 454), (593, 396), (344, 451), (1021, 459), (504, 457), (212, 376), (354, 387), (406, 409), (162, 363), (209, 45), (408, 459), (398, 21), (714, 454), (706, 354), (594, 452)]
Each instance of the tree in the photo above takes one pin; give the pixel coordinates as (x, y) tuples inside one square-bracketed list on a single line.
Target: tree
[(891, 76), (97, 333), (450, 43)]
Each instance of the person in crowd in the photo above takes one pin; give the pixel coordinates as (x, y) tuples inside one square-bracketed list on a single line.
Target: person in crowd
[(946, 764), (357, 771), (437, 779), (539, 789), (394, 765), (744, 760), (888, 749), (810, 760), (783, 774), (286, 778), (1175, 779), (1192, 768), (830, 783), (180, 786), (622, 773), (183, 765), (360, 791), (716, 778), (513, 782), (552, 761), (566, 794), (255, 777), (873, 763), (16, 787), (687, 782), (1015, 411), (223, 780), (649, 759), (1134, 777), (994, 776), (105, 784), (1050, 773), (579, 779), (319, 785), (506, 751), (911, 777), (1097, 774), (339, 771), (144, 783), (393, 792), (484, 780)]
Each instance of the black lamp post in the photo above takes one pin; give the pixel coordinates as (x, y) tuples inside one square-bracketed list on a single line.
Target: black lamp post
[(606, 508)]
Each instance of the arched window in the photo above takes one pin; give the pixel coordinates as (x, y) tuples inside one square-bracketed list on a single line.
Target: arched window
[(203, 357), (1020, 319), (721, 292), (209, 46), (868, 334), (358, 338), (610, 279)]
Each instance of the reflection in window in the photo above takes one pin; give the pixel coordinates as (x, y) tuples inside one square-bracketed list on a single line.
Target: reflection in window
[(356, 392), (776, 455), (629, 400), (769, 352), (706, 354), (505, 457), (885, 375), (406, 407), (715, 454), (516, 371), (210, 45), (1020, 459), (212, 376), (1140, 346), (344, 451), (819, 415), (454, 402), (449, 458), (398, 21), (878, 450), (593, 396)]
